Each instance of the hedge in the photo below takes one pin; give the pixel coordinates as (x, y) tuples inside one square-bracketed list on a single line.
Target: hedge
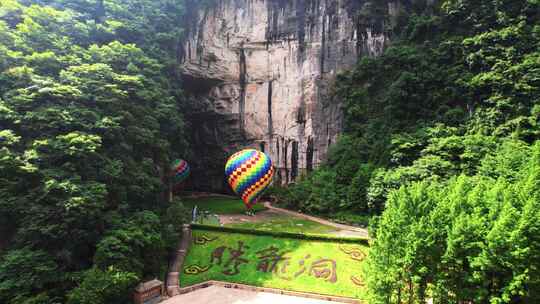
[(290, 235)]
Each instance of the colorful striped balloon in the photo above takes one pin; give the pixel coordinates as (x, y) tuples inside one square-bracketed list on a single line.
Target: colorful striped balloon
[(249, 172), (179, 171)]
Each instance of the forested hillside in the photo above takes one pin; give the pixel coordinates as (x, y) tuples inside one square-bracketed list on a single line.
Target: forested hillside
[(90, 117), (440, 150), (450, 115)]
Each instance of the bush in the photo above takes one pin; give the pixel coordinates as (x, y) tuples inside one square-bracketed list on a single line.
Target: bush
[(321, 192), (137, 245), (358, 189), (25, 276), (291, 235), (172, 222), (103, 287)]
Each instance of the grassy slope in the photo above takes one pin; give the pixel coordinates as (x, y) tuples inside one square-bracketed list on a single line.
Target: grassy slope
[(297, 250), (219, 205), (227, 205), (286, 224), (350, 218)]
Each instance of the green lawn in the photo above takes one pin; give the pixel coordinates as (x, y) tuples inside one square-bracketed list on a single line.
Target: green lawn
[(275, 222), (219, 205), (286, 224), (351, 218), (323, 267)]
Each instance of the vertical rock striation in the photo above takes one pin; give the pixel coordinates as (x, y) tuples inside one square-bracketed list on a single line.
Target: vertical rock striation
[(263, 69)]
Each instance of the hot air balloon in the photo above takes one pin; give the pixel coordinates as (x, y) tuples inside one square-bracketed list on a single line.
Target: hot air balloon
[(179, 172), (249, 172)]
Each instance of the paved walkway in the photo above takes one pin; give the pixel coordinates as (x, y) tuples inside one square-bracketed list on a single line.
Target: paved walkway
[(345, 230), (222, 295)]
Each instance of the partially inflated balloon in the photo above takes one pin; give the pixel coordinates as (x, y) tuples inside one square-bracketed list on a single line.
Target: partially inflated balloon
[(249, 172), (179, 171)]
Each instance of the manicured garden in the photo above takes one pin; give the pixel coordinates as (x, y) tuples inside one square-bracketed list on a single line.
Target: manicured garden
[(317, 264), (223, 205)]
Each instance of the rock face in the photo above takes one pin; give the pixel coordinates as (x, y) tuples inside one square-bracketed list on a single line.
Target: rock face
[(264, 69)]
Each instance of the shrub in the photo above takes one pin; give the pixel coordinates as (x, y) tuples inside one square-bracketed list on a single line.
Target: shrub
[(103, 287), (136, 244), (25, 276), (302, 236)]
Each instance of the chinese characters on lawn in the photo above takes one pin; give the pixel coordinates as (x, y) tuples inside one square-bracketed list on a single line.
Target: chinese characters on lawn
[(235, 258), (269, 260), (272, 260)]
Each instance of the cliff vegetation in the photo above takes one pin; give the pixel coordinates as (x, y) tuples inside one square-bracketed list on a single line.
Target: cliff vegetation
[(441, 151)]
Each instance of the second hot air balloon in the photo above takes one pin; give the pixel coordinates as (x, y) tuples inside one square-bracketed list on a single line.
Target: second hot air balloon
[(249, 172), (179, 172)]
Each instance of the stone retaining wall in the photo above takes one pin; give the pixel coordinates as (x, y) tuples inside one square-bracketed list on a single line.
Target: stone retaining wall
[(173, 277)]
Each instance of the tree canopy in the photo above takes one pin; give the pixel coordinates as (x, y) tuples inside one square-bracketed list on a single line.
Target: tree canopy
[(90, 115)]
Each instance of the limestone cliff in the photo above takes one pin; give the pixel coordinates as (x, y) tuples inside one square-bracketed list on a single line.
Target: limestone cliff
[(264, 68)]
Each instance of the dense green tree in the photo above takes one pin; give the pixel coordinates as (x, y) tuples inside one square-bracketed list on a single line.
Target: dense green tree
[(472, 239), (172, 223), (90, 116), (103, 286), (26, 275)]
